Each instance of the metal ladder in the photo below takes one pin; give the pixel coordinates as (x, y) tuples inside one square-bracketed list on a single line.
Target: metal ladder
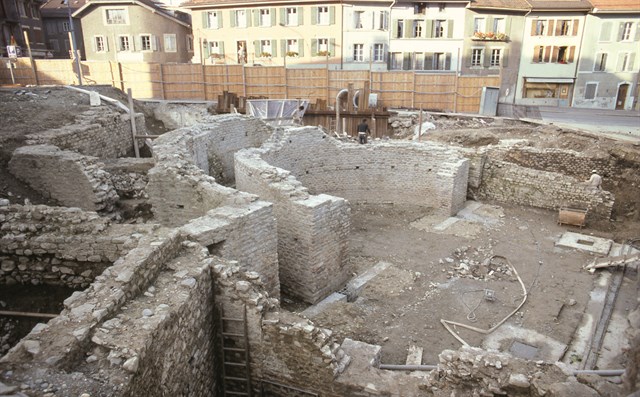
[(236, 374)]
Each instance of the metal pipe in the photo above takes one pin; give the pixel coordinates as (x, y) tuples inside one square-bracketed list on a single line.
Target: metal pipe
[(27, 314), (342, 91), (601, 372), (408, 367)]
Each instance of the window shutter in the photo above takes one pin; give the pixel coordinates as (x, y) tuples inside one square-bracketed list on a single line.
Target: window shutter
[(428, 61), (620, 31), (248, 15), (572, 53), (106, 43), (95, 43), (272, 14), (408, 28), (504, 58), (221, 47), (257, 48), (507, 26), (558, 29), (283, 16), (534, 24), (536, 52), (576, 23), (447, 61), (314, 47), (300, 16), (205, 49), (372, 22), (139, 42), (632, 57), (406, 61), (283, 47), (274, 48), (256, 18), (154, 43), (550, 30), (394, 34), (232, 17), (554, 57), (332, 15), (205, 20), (620, 61), (429, 28), (547, 53), (605, 31), (486, 58), (332, 46), (450, 28), (488, 27), (301, 47), (219, 18), (314, 15), (132, 47), (637, 38)]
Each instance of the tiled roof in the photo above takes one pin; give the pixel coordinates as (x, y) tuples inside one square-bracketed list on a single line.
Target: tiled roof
[(58, 8), (157, 7), (616, 5), (500, 4), (250, 3), (573, 5)]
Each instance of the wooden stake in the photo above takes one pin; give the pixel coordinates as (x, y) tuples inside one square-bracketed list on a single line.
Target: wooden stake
[(132, 116), (420, 126), (33, 65)]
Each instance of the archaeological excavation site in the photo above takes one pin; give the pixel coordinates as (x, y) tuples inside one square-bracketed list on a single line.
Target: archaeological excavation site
[(170, 249)]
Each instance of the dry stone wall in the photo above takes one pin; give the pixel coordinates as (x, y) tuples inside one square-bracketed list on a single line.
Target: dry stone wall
[(102, 131), (510, 183), (429, 175), (71, 179), (58, 246)]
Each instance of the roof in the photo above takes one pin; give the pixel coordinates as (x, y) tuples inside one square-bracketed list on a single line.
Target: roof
[(562, 5), (615, 5), (148, 4), (251, 3), (58, 8), (500, 4)]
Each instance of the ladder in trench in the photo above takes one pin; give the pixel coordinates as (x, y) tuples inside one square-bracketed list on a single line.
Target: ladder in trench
[(236, 368)]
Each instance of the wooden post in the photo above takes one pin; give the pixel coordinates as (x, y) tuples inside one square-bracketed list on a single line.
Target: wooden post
[(162, 92), (413, 91), (33, 65), (244, 81), (132, 116), (327, 79), (286, 85), (121, 76), (113, 78), (364, 99), (420, 126), (455, 94), (204, 80)]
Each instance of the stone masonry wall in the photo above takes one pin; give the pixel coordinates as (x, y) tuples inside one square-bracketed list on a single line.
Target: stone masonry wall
[(61, 246), (312, 230), (71, 179), (102, 131), (129, 176), (510, 183), (429, 175)]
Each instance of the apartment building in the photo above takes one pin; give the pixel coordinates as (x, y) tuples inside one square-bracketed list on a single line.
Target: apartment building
[(18, 17), (135, 31), (58, 25), (609, 67)]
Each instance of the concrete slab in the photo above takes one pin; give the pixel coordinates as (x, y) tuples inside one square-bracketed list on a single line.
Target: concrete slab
[(523, 350), (504, 338), (445, 225), (585, 242), (313, 311), (414, 357), (355, 286)]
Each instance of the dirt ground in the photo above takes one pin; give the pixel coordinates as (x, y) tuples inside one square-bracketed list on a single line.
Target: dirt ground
[(434, 273)]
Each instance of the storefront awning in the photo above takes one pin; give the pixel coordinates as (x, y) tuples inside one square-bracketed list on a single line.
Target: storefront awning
[(555, 80)]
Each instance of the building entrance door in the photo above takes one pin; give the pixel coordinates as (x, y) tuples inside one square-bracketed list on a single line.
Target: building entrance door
[(622, 96)]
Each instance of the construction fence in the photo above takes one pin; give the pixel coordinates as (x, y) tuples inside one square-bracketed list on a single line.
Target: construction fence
[(445, 91)]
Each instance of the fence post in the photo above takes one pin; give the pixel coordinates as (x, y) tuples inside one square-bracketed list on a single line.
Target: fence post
[(163, 95), (413, 91), (204, 80), (244, 81), (286, 84), (455, 94), (33, 65), (121, 76)]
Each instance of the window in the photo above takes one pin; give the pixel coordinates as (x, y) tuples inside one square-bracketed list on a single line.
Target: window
[(241, 18), (21, 9), (292, 46), (323, 16), (538, 54), (146, 42), (439, 61), (265, 48), (214, 48), (323, 45), (419, 8), (417, 28), (53, 44), (34, 11), (562, 54), (396, 60), (496, 57), (539, 27), (189, 43), (292, 16), (438, 28), (476, 56), (65, 26), (563, 27), (400, 28), (124, 43), (600, 63), (357, 19), (116, 16), (590, 90), (478, 25), (100, 44), (499, 26), (625, 61), (378, 52), (382, 22), (626, 31), (265, 17), (212, 20), (358, 52), (170, 44), (418, 61)]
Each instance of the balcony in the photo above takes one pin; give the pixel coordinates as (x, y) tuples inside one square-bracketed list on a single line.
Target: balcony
[(489, 36)]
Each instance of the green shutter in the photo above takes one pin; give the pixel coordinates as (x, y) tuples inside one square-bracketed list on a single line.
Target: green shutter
[(219, 17), (450, 28), (248, 15), (300, 16), (637, 38), (283, 16), (205, 49), (221, 46), (408, 27), (486, 54), (301, 47), (488, 27), (232, 17), (406, 61), (272, 13), (632, 57), (505, 58), (283, 47), (257, 49), (428, 61), (332, 47), (256, 17), (314, 15), (447, 61), (429, 28), (605, 31), (274, 49), (314, 47), (205, 20), (507, 26), (332, 15), (620, 30)]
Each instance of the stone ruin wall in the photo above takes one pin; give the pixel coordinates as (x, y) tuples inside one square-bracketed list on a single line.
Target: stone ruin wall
[(129, 176), (102, 131), (429, 175), (58, 246)]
